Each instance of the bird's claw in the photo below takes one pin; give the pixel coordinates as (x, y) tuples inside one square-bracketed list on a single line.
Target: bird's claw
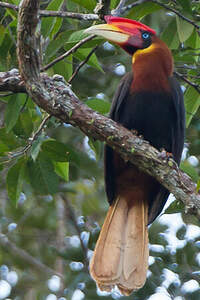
[(165, 155)]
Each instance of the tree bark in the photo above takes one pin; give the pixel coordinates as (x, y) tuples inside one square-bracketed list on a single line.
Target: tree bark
[(57, 98)]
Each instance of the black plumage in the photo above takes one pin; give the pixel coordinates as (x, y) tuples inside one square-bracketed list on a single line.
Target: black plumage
[(160, 118), (150, 101)]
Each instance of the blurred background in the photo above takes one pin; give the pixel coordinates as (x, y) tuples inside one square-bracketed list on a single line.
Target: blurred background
[(53, 204)]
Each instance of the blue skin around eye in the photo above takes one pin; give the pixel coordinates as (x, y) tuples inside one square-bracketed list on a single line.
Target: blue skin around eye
[(145, 35)]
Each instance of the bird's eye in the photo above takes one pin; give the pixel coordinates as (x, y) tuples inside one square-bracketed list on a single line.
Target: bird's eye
[(145, 35)]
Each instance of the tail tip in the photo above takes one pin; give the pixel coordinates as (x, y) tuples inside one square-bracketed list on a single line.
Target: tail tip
[(104, 287), (125, 291)]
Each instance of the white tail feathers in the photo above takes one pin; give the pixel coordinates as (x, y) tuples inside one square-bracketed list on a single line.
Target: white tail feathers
[(121, 253)]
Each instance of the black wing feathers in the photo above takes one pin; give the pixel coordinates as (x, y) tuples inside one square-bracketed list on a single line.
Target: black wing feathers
[(109, 172), (160, 118), (178, 134), (121, 95), (178, 101)]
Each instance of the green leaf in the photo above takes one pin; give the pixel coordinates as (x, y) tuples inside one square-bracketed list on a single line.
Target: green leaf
[(113, 4), (15, 179), (89, 4), (101, 106), (58, 151), (140, 11), (171, 39), (77, 36), (192, 103), (198, 186), (5, 47), (184, 28), (56, 27), (96, 147), (3, 148), (88, 166), (184, 57), (56, 44), (190, 219), (64, 67), (186, 5), (12, 13), (8, 141), (175, 207), (42, 176), (24, 125), (13, 109), (191, 41), (62, 170), (35, 149), (81, 54), (190, 170), (49, 23), (2, 33)]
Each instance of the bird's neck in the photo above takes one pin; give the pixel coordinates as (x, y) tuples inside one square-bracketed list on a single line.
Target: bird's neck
[(151, 68)]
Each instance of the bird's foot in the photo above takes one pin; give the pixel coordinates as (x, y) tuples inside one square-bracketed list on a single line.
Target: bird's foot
[(135, 132), (165, 155)]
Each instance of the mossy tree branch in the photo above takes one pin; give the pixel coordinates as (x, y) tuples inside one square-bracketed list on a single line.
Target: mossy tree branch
[(57, 98)]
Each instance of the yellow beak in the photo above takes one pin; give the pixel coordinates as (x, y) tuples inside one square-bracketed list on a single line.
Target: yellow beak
[(109, 32)]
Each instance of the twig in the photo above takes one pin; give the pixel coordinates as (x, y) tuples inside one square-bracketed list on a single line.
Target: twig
[(12, 82), (69, 108), (178, 14), (120, 10), (184, 78), (82, 64), (72, 15), (72, 50), (8, 5), (102, 8), (6, 95), (185, 66), (59, 14), (124, 9), (63, 104), (39, 130), (25, 256), (74, 221), (25, 103), (14, 155), (120, 6), (60, 234)]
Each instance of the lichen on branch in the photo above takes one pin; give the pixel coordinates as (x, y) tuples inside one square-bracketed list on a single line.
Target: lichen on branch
[(56, 98)]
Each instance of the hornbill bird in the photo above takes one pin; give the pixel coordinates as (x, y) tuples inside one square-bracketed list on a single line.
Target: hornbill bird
[(150, 101)]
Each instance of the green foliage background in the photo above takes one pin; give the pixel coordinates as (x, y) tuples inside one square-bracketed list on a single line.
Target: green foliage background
[(52, 193)]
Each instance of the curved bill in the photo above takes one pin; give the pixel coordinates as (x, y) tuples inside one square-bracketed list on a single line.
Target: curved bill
[(109, 32)]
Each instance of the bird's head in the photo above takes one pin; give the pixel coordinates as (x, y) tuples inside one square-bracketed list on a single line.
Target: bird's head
[(128, 34)]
